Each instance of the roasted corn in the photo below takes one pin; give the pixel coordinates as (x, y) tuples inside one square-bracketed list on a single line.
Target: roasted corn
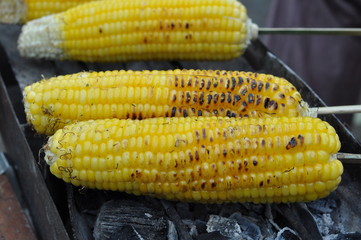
[(55, 102), (202, 159), (120, 30)]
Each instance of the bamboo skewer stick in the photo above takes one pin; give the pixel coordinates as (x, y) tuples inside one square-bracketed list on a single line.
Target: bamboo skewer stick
[(347, 109), (311, 31), (351, 158)]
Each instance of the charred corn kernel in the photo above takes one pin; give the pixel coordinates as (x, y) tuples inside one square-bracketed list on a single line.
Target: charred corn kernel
[(170, 93), (20, 11), (207, 169), (121, 30)]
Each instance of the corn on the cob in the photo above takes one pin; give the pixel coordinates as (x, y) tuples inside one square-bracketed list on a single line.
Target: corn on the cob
[(21, 11), (205, 159), (53, 103), (121, 30)]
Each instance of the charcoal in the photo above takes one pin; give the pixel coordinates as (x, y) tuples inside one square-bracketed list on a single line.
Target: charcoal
[(227, 227), (228, 209), (248, 227), (201, 226), (331, 237), (192, 228), (348, 236), (343, 236), (348, 212), (254, 208), (325, 205), (200, 211), (184, 210), (211, 236), (136, 220), (79, 221), (125, 232), (175, 217), (299, 218), (287, 234), (267, 230)]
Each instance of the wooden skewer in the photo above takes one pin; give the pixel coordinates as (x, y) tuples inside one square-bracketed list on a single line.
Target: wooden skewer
[(335, 110), (312, 31), (352, 158)]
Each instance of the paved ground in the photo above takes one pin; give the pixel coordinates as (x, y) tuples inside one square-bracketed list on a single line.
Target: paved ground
[(13, 223)]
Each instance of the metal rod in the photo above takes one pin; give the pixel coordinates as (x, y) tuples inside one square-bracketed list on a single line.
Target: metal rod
[(352, 158), (336, 109), (312, 31)]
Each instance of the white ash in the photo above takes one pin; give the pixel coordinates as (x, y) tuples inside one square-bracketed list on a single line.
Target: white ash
[(227, 227), (248, 225), (172, 231), (148, 215), (280, 234), (324, 223), (331, 237), (323, 205)]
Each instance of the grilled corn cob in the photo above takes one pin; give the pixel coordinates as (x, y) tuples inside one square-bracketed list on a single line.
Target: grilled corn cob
[(53, 103), (120, 30), (21, 11), (204, 159)]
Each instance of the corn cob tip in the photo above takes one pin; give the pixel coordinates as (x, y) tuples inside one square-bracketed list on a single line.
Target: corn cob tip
[(252, 30), (304, 110), (11, 11), (40, 38), (26, 104), (49, 157)]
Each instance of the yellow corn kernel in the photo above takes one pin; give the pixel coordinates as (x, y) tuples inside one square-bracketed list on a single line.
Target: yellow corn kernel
[(172, 93), (211, 170), (121, 30), (21, 11)]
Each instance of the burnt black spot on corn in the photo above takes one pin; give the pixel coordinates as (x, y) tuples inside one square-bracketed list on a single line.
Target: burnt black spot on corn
[(188, 97), (267, 85), (124, 94), (237, 98), (209, 100), (185, 113), (251, 98), (301, 139), (253, 84), (229, 98), (292, 143), (233, 83), (223, 97)]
